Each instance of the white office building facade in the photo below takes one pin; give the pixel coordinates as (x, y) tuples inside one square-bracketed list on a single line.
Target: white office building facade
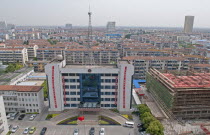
[(3, 120), (75, 86)]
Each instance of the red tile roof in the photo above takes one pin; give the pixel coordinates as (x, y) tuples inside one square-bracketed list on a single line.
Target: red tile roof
[(20, 88)]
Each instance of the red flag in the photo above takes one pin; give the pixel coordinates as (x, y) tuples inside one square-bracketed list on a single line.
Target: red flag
[(81, 118)]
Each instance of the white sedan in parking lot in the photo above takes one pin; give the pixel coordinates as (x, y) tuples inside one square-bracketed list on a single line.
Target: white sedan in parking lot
[(26, 130), (14, 129), (102, 131), (32, 117)]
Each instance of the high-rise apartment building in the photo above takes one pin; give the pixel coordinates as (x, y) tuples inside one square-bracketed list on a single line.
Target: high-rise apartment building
[(68, 26), (188, 25), (3, 25), (110, 27)]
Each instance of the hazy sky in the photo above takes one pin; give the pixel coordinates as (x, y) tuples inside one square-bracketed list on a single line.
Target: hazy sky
[(125, 12)]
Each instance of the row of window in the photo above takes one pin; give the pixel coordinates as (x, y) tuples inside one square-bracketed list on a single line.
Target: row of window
[(27, 94), (107, 99), (78, 93), (72, 99), (74, 74), (32, 110), (102, 87), (102, 105), (102, 80)]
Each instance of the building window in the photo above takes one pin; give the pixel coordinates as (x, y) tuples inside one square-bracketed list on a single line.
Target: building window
[(67, 99), (66, 93), (73, 87), (66, 80), (113, 93), (65, 74), (102, 93), (78, 93), (102, 99), (114, 74), (66, 105), (78, 99), (78, 86), (107, 74), (102, 87), (72, 80), (107, 99), (73, 105), (113, 80), (107, 80), (107, 105), (72, 93), (113, 105), (107, 87), (66, 86), (102, 105), (71, 74), (112, 99), (107, 93), (78, 80)]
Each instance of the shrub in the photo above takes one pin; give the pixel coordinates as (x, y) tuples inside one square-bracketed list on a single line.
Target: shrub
[(114, 110), (72, 123), (108, 120), (67, 121), (102, 122), (128, 116), (8, 133)]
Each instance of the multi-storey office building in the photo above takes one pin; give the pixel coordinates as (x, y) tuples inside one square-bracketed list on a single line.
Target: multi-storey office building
[(142, 64), (99, 56), (48, 54), (13, 55), (25, 99), (77, 86), (3, 119)]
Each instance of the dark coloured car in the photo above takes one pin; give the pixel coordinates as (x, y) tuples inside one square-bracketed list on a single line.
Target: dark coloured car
[(92, 131), (44, 129), (21, 116)]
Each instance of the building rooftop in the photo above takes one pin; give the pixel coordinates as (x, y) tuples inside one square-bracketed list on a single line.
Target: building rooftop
[(198, 80), (20, 88)]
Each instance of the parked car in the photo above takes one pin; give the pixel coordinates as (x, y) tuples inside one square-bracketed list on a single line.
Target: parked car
[(14, 115), (44, 129), (139, 125), (14, 129), (128, 124), (32, 117), (92, 131), (26, 130), (9, 115), (102, 131), (21, 116), (76, 131), (32, 130)]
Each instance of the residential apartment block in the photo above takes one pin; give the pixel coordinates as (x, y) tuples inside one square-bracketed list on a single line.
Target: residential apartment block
[(100, 56), (25, 99), (13, 55), (142, 64), (48, 54)]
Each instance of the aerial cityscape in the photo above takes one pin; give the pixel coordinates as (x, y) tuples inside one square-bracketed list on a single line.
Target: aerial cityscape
[(91, 76)]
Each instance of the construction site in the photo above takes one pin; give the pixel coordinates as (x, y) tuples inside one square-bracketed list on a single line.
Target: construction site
[(184, 99)]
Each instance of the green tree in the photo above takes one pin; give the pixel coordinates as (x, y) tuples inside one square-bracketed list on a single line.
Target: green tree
[(155, 128), (143, 108), (35, 59), (147, 120), (128, 36), (45, 88)]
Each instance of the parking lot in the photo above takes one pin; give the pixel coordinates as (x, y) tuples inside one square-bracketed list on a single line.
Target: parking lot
[(53, 129)]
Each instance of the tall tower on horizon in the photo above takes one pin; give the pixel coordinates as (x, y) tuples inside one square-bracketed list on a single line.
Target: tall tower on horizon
[(89, 29), (188, 25)]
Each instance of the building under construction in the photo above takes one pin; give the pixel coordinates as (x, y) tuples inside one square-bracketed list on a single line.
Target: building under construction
[(181, 97)]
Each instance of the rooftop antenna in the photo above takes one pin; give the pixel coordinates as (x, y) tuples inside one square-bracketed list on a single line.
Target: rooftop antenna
[(90, 58), (89, 28)]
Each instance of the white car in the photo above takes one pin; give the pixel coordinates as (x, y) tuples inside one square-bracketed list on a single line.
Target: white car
[(9, 115), (76, 131), (102, 131), (32, 117), (26, 130), (14, 129)]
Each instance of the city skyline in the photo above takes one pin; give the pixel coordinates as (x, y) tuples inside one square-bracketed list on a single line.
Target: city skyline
[(149, 13)]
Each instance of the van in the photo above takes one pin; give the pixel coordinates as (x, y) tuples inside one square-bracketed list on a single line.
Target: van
[(14, 115), (129, 124)]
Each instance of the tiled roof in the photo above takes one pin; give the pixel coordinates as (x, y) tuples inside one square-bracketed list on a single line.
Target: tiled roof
[(20, 88)]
